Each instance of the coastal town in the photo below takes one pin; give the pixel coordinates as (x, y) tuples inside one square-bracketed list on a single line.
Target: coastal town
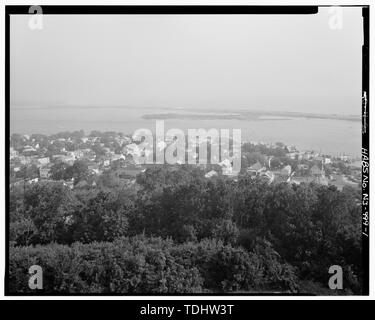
[(187, 151), (81, 161)]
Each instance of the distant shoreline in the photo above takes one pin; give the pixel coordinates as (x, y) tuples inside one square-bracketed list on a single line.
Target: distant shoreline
[(246, 116), (209, 114)]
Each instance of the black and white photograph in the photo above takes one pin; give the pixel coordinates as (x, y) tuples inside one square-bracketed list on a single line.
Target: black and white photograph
[(187, 150)]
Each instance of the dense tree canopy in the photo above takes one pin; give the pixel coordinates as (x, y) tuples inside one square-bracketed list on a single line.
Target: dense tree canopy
[(198, 234)]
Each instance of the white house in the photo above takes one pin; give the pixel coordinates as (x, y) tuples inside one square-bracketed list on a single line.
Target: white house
[(211, 174)]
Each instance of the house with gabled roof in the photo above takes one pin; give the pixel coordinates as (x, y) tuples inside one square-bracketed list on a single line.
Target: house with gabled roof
[(256, 169)]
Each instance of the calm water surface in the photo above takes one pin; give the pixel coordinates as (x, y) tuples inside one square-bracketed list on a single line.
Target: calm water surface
[(325, 135)]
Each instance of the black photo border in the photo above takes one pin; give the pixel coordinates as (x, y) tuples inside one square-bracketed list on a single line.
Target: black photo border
[(194, 9)]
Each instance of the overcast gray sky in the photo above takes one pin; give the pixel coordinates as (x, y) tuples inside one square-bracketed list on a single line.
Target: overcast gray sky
[(291, 63)]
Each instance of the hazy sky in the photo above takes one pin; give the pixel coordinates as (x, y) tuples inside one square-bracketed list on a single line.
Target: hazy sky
[(291, 63)]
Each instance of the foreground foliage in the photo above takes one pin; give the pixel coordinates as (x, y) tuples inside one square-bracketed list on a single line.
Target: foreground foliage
[(176, 231), (150, 265)]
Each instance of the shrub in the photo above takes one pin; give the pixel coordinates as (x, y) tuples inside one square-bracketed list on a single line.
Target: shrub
[(143, 265)]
